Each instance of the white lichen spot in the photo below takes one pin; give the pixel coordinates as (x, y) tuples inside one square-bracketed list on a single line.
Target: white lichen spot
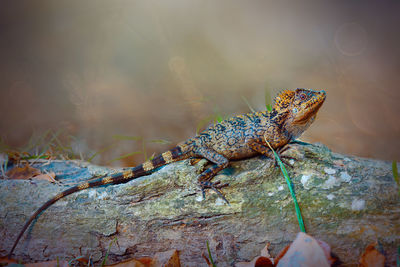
[(199, 198), (345, 177), (291, 161), (103, 195), (219, 202), (270, 194), (92, 193), (331, 182), (95, 194), (280, 188), (358, 204), (305, 178), (329, 170), (330, 196)]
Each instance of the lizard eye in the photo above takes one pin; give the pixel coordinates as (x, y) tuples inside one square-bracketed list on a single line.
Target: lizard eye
[(302, 96)]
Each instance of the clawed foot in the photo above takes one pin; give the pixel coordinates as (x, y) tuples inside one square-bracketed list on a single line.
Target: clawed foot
[(284, 158), (216, 186)]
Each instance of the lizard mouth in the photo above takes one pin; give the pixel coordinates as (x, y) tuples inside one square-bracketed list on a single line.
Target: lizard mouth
[(312, 110)]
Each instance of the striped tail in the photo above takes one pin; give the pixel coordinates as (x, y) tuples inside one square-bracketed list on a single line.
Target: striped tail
[(175, 154)]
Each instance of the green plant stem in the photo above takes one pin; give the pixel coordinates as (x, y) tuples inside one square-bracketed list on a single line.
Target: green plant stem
[(289, 183), (209, 255)]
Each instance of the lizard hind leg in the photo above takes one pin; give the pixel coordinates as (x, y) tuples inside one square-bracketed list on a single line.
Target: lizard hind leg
[(204, 179), (194, 161), (199, 163)]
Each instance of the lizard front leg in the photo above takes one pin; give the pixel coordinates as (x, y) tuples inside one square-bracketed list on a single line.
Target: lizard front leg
[(204, 179), (259, 147)]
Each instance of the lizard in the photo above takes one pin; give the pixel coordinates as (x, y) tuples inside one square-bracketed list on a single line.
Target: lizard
[(239, 137)]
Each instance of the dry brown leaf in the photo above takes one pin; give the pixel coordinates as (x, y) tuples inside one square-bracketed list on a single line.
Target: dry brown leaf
[(264, 260), (25, 172), (265, 251), (327, 250), (15, 156), (48, 264), (304, 251), (128, 263), (206, 259), (46, 176), (82, 259), (281, 254), (372, 257), (147, 261), (259, 261), (168, 258), (7, 260)]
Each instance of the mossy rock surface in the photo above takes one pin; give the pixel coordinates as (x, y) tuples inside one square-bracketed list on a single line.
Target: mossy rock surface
[(348, 202)]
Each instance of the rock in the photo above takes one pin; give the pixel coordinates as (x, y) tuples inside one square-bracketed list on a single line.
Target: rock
[(346, 201)]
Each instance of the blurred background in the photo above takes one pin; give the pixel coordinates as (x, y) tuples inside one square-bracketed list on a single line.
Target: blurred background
[(116, 81)]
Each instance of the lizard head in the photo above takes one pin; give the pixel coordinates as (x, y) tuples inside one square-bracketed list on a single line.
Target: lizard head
[(301, 107)]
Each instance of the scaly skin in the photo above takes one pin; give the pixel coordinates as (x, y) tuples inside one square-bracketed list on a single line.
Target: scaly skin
[(240, 137)]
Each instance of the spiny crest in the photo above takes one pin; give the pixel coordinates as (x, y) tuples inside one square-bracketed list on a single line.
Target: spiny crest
[(284, 99)]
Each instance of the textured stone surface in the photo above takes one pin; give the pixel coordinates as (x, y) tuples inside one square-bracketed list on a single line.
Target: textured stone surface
[(346, 201)]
